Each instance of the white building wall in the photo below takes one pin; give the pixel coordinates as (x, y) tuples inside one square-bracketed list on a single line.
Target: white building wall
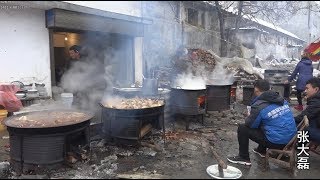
[(132, 8), (24, 47)]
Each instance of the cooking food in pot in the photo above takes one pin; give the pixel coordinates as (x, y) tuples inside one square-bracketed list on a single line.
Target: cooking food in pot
[(42, 119), (133, 103)]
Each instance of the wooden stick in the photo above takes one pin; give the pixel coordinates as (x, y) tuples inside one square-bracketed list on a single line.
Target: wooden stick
[(220, 162)]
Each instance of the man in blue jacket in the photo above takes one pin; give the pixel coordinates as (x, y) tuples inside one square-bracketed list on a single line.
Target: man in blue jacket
[(270, 124), (304, 70), (313, 110)]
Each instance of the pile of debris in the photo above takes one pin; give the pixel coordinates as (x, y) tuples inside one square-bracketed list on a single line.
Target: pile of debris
[(163, 74), (282, 64), (191, 60), (243, 75)]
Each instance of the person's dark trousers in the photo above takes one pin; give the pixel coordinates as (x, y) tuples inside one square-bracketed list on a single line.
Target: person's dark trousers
[(245, 133), (313, 131), (286, 93), (299, 96)]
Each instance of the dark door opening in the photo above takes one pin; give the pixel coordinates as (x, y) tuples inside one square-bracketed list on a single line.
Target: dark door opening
[(113, 50)]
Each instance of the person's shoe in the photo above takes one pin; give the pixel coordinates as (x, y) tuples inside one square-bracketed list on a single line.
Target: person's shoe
[(239, 160), (298, 107), (261, 154)]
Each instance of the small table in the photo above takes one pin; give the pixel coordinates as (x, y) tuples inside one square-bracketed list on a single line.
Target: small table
[(27, 101)]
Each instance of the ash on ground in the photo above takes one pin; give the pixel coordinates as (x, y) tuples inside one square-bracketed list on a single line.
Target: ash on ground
[(182, 154)]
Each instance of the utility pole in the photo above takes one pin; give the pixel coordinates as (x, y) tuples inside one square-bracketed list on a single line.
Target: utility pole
[(309, 29)]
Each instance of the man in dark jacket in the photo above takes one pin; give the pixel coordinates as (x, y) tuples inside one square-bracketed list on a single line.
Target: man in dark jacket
[(313, 109), (270, 124), (304, 70)]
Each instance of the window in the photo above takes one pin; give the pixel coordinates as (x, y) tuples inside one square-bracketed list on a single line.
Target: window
[(192, 16)]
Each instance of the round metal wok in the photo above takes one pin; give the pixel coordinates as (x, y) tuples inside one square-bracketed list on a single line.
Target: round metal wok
[(48, 118)]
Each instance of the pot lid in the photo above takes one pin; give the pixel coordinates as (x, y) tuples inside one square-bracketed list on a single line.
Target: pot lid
[(228, 173)]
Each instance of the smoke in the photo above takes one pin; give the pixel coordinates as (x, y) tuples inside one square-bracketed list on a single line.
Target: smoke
[(221, 75), (90, 77), (189, 81), (110, 100)]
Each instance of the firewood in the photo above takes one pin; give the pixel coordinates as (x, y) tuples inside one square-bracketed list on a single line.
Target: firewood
[(195, 59), (145, 129)]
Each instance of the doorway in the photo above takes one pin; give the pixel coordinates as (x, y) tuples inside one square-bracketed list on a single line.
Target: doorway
[(113, 50)]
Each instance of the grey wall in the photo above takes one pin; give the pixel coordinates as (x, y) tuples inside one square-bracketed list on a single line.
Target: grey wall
[(170, 30)]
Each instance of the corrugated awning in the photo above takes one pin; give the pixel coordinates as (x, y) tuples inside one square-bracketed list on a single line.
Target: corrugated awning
[(60, 18)]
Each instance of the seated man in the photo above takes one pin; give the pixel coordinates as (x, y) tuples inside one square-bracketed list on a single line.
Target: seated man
[(313, 109), (270, 124)]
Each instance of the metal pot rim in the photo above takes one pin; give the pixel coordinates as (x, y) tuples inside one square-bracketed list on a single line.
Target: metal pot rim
[(227, 84), (128, 89), (7, 120), (189, 89)]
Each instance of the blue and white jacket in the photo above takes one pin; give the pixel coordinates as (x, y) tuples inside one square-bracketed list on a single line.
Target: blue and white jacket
[(272, 114)]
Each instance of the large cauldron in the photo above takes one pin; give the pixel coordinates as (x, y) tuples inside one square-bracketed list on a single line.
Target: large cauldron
[(44, 142), (218, 97), (130, 125), (219, 93), (187, 101)]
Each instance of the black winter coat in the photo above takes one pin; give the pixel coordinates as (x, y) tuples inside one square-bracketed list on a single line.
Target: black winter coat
[(312, 111)]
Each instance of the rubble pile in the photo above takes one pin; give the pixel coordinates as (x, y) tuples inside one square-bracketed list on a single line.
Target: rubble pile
[(282, 66), (243, 75), (193, 60), (163, 75)]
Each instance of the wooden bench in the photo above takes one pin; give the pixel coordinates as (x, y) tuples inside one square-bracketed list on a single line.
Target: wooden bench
[(289, 150), (314, 147)]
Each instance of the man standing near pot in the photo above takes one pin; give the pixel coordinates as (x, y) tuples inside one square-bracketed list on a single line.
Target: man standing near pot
[(270, 124), (73, 69), (74, 53), (304, 71)]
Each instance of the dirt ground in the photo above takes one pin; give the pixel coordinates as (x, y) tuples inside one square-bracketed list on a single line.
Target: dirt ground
[(183, 155)]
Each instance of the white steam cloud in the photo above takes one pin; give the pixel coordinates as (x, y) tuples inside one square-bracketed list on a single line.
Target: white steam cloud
[(188, 81), (89, 78), (222, 74)]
